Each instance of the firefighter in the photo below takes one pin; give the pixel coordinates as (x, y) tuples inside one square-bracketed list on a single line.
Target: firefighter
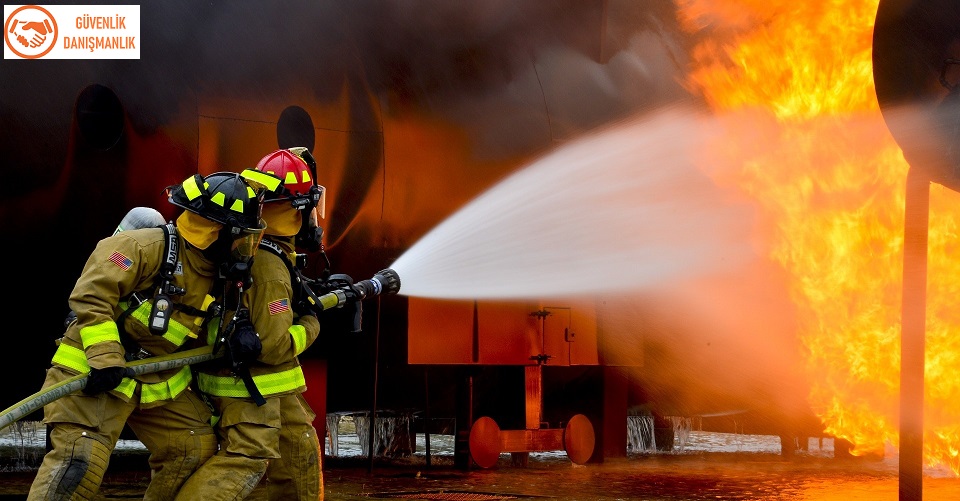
[(145, 292), (265, 430)]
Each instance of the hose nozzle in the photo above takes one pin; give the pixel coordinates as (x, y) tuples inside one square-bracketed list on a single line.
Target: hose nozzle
[(383, 282)]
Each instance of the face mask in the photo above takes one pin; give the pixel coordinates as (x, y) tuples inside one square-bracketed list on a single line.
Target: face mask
[(243, 246), (310, 235)]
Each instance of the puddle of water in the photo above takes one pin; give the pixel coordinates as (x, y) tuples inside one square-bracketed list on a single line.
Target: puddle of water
[(711, 466)]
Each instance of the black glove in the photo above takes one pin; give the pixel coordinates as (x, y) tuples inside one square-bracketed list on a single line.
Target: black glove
[(106, 379), (242, 345), (70, 318)]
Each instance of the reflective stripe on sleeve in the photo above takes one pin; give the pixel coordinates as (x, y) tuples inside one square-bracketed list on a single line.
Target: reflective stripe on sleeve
[(100, 333), (74, 358), (299, 335), (71, 357)]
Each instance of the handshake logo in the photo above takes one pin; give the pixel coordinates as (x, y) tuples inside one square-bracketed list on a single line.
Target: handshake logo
[(71, 32), (30, 32)]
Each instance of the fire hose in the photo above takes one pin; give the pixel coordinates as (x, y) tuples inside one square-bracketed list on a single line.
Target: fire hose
[(146, 366), (384, 282)]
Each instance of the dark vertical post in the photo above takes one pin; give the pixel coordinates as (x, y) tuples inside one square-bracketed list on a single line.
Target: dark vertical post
[(426, 412), (461, 444), (612, 430), (371, 423), (475, 333), (913, 333), (464, 411)]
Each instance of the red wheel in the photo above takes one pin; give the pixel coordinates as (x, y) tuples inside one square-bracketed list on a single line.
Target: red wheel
[(485, 442), (578, 439)]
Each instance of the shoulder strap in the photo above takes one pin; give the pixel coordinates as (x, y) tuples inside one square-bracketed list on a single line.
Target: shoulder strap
[(273, 247), (171, 251), (162, 305), (296, 276)]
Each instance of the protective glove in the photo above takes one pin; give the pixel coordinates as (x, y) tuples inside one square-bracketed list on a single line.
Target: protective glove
[(106, 379), (70, 318), (243, 345)]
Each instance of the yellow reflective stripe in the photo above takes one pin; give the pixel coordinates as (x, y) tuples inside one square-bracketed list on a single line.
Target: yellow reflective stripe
[(127, 387), (142, 313), (299, 335), (268, 384), (268, 181), (100, 333), (207, 300), (74, 358), (176, 333), (190, 188), (166, 390), (218, 198), (237, 205), (213, 328)]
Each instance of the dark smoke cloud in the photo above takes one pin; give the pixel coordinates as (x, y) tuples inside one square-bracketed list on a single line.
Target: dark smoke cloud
[(497, 66), (513, 73)]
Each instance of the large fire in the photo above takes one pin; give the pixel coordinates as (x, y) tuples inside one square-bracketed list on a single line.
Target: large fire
[(830, 181)]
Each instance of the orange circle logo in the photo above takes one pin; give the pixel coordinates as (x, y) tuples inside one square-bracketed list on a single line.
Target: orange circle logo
[(30, 31)]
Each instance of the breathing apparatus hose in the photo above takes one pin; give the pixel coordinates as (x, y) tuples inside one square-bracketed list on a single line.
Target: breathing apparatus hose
[(145, 366)]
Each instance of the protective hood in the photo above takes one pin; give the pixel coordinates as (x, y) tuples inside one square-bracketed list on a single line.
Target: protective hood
[(198, 230), (282, 219)]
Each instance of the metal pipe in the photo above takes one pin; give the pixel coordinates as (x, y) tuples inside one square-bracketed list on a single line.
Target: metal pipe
[(913, 333), (373, 404)]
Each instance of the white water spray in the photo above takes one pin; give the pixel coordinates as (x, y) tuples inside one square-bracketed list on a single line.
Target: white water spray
[(621, 209)]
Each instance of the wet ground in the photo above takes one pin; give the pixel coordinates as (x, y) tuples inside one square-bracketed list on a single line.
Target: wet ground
[(694, 477), (710, 467)]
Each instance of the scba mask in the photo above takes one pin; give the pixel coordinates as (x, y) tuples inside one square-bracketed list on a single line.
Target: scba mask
[(243, 243), (310, 235)]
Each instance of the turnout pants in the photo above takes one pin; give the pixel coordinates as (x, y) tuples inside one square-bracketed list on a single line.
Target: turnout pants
[(249, 440), (297, 473), (84, 430)]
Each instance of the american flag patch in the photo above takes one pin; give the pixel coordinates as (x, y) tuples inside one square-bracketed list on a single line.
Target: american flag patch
[(120, 260), (279, 306)]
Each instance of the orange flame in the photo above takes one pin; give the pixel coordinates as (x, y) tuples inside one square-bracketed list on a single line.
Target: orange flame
[(807, 142)]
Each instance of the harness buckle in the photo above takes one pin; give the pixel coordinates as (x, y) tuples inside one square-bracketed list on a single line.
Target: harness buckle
[(140, 354)]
